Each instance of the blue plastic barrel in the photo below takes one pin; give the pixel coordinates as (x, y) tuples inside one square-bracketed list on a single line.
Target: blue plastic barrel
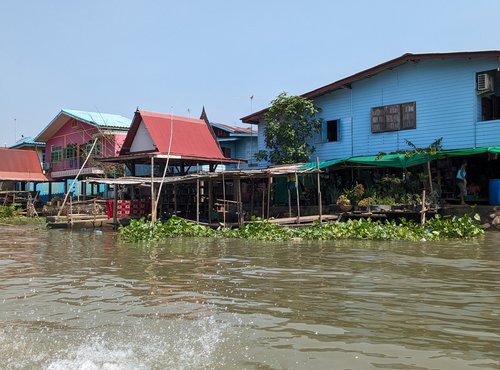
[(495, 191)]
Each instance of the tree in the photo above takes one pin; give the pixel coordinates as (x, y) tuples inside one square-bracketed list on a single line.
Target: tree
[(290, 122)]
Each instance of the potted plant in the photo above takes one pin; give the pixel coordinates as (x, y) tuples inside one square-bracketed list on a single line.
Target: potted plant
[(364, 203), (344, 203)]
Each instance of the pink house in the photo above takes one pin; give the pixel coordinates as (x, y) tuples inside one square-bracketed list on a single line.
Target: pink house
[(70, 135)]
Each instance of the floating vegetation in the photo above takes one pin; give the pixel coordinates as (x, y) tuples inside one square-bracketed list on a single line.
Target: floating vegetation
[(436, 228), (13, 215)]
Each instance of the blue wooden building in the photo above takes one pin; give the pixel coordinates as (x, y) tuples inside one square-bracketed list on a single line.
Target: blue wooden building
[(416, 97), (238, 143)]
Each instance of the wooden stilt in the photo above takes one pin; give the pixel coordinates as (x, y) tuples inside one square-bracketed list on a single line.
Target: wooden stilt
[(175, 198), (422, 212), (197, 201), (430, 177), (252, 195), (153, 202), (269, 183), (224, 210), (289, 198), (115, 208), (263, 202), (210, 200), (320, 202), (298, 196), (237, 188)]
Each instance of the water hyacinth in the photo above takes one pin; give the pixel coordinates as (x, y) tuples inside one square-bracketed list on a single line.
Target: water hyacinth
[(437, 228)]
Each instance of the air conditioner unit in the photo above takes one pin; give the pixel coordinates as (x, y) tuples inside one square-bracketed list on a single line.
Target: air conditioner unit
[(484, 83)]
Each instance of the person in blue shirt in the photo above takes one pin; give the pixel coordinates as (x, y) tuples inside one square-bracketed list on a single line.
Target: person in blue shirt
[(461, 181)]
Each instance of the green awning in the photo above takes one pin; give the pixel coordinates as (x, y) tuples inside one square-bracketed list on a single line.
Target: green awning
[(393, 160), (403, 160), (324, 164)]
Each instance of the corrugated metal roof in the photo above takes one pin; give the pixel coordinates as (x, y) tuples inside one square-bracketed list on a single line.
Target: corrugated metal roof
[(20, 165), (191, 137), (283, 170), (403, 59), (234, 129), (101, 120), (27, 141)]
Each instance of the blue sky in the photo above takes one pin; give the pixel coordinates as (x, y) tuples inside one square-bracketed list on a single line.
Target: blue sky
[(112, 56)]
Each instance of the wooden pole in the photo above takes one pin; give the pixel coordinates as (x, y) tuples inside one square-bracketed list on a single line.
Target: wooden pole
[(430, 177), (263, 197), (153, 202), (252, 197), (320, 205), (289, 199), (422, 212), (237, 188), (197, 200), (224, 199), (298, 196), (174, 190), (210, 200), (269, 183), (115, 208)]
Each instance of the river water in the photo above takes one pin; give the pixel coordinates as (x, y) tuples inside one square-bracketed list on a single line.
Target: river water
[(84, 300)]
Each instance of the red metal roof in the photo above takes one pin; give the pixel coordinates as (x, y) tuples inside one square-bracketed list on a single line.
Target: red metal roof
[(393, 63), (20, 165), (191, 137)]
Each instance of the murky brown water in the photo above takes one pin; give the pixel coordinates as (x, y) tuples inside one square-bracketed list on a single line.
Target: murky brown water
[(82, 300)]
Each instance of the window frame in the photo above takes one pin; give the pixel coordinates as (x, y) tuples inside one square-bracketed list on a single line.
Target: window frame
[(336, 131)]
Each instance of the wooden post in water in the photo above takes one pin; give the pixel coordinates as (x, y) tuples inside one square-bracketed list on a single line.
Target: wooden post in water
[(298, 196), (320, 205), (224, 199), (115, 208), (210, 200), (289, 198), (269, 183), (239, 205), (197, 195), (430, 178), (263, 198), (252, 195), (422, 212), (174, 191), (153, 202)]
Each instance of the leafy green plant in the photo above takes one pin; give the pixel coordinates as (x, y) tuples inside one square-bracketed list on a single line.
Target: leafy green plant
[(142, 230), (12, 214), (290, 121)]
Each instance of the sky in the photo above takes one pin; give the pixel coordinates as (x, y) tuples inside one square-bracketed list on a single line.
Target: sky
[(112, 56)]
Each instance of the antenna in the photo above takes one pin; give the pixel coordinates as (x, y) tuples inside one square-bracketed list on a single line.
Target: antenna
[(251, 131)]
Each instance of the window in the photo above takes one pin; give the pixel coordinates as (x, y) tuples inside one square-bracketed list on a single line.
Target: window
[(97, 149), (488, 95), (394, 117), (490, 108), (226, 151), (55, 153), (74, 123), (332, 130), (70, 151)]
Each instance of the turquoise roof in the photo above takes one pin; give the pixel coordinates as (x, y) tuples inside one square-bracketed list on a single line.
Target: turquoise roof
[(99, 119), (27, 141)]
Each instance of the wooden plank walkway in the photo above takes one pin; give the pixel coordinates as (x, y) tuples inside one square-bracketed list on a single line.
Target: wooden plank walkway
[(303, 219)]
